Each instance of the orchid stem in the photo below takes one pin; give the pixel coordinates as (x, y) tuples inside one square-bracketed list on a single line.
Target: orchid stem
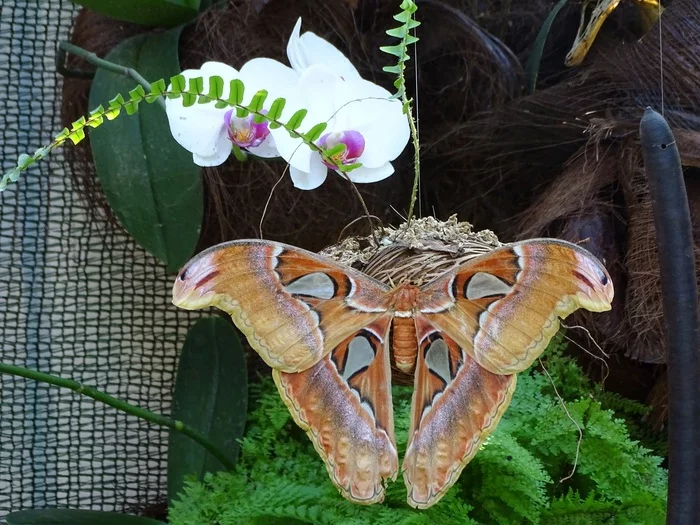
[(93, 59), (123, 406)]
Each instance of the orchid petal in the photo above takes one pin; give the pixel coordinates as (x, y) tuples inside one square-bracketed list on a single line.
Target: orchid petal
[(199, 128), (312, 179), (265, 149), (315, 94), (309, 49), (292, 150), (268, 74), (316, 89), (363, 174), (380, 120), (210, 69), (221, 153)]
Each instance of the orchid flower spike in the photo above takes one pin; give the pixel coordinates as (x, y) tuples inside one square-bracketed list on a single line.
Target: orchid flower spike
[(209, 132)]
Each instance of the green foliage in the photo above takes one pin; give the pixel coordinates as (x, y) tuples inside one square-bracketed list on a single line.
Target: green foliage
[(163, 13), (513, 479), (211, 395), (149, 180), (408, 22), (533, 62), (75, 517), (191, 94), (403, 32)]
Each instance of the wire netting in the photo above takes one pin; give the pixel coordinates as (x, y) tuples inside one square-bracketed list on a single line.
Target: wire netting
[(77, 300)]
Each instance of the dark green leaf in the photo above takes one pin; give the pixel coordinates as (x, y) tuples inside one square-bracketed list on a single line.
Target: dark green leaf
[(533, 62), (241, 112), (75, 517), (162, 13), (211, 395), (150, 181), (315, 132)]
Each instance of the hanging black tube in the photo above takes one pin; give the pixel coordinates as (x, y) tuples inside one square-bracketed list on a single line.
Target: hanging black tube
[(662, 164)]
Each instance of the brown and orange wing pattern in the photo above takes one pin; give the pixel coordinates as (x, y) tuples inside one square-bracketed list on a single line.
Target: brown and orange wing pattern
[(456, 405), (293, 306), (503, 308), (344, 404)]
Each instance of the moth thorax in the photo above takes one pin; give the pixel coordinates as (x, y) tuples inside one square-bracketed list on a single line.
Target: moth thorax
[(403, 342)]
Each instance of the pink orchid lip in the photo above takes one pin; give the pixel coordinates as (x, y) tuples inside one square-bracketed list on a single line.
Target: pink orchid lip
[(354, 147), (244, 132)]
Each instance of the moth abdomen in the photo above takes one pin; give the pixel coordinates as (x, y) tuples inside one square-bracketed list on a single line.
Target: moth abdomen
[(404, 344)]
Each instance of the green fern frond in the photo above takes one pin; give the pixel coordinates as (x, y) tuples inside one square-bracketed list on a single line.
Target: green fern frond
[(191, 93), (400, 50), (403, 32), (515, 477)]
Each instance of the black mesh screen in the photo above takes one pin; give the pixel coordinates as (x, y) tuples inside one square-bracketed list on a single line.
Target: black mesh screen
[(77, 300)]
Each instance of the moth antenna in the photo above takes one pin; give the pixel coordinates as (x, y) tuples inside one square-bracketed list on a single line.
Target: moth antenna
[(568, 414)]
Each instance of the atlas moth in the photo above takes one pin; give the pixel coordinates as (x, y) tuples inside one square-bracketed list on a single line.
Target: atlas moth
[(465, 317)]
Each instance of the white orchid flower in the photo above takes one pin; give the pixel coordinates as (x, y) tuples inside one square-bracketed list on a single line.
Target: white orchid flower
[(358, 113), (209, 132), (309, 49)]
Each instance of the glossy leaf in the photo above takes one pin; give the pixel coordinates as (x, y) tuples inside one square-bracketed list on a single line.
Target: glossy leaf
[(162, 13), (211, 395), (150, 181), (75, 517), (533, 62)]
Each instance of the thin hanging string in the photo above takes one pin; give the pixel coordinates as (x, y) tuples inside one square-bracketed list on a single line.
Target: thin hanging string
[(415, 78), (661, 58)]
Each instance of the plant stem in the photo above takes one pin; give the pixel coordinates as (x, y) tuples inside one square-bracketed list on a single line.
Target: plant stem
[(123, 406), (416, 155), (93, 59)]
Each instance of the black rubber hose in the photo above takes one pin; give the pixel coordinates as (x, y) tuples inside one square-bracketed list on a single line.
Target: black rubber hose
[(674, 238)]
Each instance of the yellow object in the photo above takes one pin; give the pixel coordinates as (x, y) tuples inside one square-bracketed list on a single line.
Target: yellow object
[(587, 32)]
